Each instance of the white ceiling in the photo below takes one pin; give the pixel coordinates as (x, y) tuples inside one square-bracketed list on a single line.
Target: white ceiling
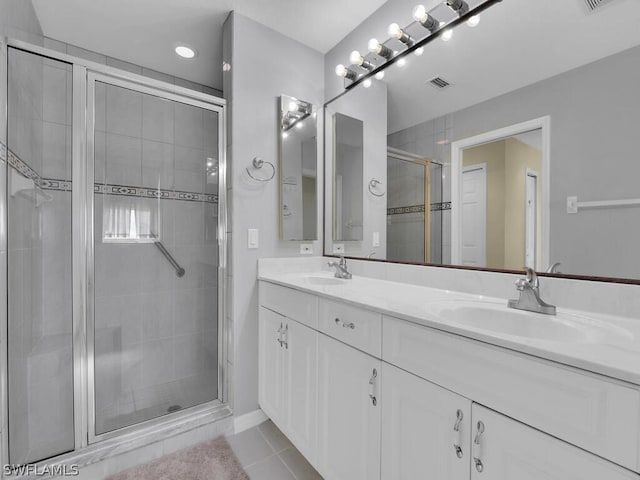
[(144, 32), (518, 42)]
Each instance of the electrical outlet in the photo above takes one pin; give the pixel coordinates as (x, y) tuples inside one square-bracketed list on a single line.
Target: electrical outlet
[(306, 249), (376, 239), (338, 248)]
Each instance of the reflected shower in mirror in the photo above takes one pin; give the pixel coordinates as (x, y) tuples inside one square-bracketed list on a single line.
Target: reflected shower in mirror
[(348, 177), (576, 203), (298, 170)]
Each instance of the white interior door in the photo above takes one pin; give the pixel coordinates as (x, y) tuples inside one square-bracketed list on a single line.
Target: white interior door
[(474, 215), (531, 219)]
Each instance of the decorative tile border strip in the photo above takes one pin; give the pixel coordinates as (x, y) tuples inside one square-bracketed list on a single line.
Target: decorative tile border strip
[(435, 207), (409, 209), (418, 208), (106, 189), (146, 192)]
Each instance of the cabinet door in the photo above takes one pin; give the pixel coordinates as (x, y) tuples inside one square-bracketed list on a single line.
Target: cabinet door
[(348, 420), (271, 370), (301, 387), (425, 429), (509, 450)]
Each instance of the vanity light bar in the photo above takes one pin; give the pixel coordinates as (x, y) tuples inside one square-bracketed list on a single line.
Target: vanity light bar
[(425, 19)]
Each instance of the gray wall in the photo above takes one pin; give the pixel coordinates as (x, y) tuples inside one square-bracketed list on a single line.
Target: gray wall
[(264, 65)]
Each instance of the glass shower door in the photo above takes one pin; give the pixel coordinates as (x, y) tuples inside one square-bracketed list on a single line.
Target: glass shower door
[(39, 342), (155, 307)]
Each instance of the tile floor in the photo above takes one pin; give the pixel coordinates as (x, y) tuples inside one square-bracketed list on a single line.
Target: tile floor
[(266, 454)]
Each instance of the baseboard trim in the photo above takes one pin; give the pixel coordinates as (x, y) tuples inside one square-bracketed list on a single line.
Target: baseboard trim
[(248, 420)]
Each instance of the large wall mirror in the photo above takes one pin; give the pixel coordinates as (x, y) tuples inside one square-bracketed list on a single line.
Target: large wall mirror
[(298, 170), (510, 143)]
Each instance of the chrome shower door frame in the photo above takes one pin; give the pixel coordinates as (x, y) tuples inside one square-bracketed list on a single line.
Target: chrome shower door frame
[(144, 87), (90, 447)]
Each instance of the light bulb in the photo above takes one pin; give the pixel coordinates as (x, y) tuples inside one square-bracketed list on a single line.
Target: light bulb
[(299, 125), (379, 49), (379, 75), (402, 62), (373, 45), (395, 30), (419, 51), (474, 21), (356, 58), (285, 134), (293, 106), (341, 70), (366, 83), (446, 36), (419, 13)]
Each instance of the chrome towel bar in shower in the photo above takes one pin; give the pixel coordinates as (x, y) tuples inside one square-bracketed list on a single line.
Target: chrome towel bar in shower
[(179, 270)]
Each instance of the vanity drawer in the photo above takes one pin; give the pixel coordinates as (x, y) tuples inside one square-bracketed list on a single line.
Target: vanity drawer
[(354, 326), (291, 303), (597, 414)]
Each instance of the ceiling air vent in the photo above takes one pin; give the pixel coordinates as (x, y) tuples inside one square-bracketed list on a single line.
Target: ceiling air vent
[(439, 83), (594, 4)]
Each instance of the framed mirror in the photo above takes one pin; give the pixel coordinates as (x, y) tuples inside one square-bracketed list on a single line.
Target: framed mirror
[(529, 141), (298, 169)]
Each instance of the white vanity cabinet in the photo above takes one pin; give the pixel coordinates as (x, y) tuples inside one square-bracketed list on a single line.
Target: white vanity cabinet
[(426, 430), (287, 378), (349, 404), (503, 449), (367, 396)]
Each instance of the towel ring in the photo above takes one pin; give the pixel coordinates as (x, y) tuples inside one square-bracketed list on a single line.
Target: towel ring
[(258, 163), (372, 185)]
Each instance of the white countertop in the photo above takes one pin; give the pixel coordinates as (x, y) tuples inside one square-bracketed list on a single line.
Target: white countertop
[(610, 347)]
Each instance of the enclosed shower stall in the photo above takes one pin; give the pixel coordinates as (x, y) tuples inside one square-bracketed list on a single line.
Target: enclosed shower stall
[(113, 239)]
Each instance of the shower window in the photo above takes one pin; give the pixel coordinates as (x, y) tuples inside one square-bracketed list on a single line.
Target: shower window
[(127, 221)]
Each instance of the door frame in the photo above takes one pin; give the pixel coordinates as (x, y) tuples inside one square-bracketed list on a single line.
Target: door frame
[(530, 173), (483, 168), (457, 150)]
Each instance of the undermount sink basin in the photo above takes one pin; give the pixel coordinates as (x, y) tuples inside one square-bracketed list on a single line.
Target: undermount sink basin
[(562, 327), (325, 281)]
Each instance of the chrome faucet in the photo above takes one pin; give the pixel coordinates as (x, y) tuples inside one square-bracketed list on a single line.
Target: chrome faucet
[(529, 288), (341, 268)]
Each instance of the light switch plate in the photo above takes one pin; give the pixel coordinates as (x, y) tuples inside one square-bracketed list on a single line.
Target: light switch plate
[(338, 248), (376, 239), (306, 249), (252, 238)]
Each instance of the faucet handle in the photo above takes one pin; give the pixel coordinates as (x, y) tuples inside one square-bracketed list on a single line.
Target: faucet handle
[(343, 261), (522, 283), (532, 278)]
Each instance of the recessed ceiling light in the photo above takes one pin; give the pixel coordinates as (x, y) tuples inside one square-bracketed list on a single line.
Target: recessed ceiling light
[(185, 52)]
